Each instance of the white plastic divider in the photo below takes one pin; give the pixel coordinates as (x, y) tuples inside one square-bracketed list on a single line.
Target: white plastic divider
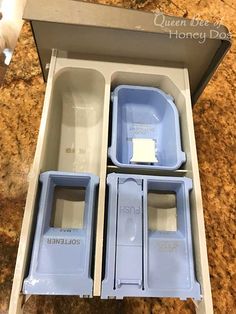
[(74, 137)]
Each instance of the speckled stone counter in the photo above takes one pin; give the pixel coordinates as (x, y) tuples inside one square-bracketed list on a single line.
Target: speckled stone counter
[(21, 99)]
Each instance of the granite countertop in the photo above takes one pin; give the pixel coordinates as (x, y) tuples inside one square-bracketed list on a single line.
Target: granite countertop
[(21, 103)]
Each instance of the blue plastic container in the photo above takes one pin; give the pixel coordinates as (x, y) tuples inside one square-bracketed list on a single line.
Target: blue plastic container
[(145, 129), (142, 261), (61, 257)]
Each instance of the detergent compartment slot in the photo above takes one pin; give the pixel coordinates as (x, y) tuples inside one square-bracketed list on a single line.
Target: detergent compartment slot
[(149, 250), (62, 248)]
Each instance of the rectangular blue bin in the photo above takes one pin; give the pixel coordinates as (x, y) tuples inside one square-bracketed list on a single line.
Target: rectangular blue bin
[(62, 255), (145, 129), (144, 259)]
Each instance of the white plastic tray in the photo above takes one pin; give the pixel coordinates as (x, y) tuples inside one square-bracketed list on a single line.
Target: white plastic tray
[(76, 106)]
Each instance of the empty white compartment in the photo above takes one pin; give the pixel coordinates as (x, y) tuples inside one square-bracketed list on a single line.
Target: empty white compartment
[(76, 121)]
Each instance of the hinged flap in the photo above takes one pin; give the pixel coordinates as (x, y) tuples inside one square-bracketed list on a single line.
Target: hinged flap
[(101, 32)]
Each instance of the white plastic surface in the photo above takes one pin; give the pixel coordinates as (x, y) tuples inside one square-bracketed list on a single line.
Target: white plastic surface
[(162, 212), (76, 120), (144, 150)]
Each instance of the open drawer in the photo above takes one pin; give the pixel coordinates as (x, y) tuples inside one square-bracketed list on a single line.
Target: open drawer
[(75, 127), (74, 137)]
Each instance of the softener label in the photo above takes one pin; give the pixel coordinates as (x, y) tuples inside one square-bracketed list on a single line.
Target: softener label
[(63, 241)]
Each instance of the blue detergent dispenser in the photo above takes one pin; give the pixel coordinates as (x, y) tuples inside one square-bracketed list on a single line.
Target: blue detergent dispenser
[(62, 248), (149, 251), (145, 129)]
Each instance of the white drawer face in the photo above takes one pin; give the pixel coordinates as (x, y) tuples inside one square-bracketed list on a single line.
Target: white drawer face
[(74, 136)]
